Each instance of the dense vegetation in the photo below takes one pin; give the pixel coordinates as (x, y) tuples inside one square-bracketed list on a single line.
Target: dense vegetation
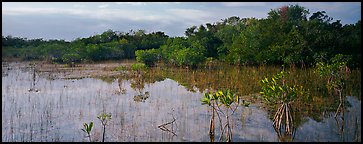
[(286, 36)]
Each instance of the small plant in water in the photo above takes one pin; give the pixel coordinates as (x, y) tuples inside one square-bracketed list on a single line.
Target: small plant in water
[(275, 90), (87, 129), (104, 118), (225, 98), (336, 73)]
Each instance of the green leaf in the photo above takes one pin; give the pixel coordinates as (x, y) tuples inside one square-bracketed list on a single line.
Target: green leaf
[(90, 126)]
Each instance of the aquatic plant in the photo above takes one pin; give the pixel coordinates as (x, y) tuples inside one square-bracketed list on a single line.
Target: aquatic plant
[(276, 91), (87, 129), (225, 98), (336, 73), (104, 118)]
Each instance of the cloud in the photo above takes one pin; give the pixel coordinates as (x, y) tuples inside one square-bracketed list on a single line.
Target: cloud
[(103, 6), (79, 5), (111, 14), (242, 4), (184, 18), (132, 3), (192, 15), (145, 3), (103, 14), (328, 6), (41, 11)]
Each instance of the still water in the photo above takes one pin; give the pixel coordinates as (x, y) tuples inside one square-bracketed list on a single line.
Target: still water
[(40, 107)]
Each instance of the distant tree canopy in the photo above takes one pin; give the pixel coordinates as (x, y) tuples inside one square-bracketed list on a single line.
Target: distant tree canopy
[(286, 36)]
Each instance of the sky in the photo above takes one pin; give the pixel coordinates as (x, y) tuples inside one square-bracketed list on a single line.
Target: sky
[(71, 20)]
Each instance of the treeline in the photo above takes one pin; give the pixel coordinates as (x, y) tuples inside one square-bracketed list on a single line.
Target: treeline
[(286, 36), (110, 45)]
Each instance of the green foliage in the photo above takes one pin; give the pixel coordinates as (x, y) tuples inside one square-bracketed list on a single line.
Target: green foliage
[(148, 57), (183, 53), (286, 36), (138, 67), (104, 118), (275, 90), (335, 71), (71, 57), (223, 97), (87, 129)]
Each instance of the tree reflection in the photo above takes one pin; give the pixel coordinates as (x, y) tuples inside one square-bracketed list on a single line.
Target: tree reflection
[(339, 118)]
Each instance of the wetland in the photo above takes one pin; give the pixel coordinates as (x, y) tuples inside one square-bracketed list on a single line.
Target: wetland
[(50, 102)]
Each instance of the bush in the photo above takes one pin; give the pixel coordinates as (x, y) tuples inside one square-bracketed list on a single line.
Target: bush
[(148, 57), (71, 58), (189, 57)]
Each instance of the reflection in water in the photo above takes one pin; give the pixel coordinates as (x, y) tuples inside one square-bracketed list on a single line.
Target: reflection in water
[(57, 113), (285, 131), (141, 97), (121, 89), (171, 129)]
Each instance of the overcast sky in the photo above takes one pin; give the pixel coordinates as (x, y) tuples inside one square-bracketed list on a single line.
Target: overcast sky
[(68, 21)]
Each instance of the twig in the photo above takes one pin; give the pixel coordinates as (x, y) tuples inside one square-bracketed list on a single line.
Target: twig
[(162, 127)]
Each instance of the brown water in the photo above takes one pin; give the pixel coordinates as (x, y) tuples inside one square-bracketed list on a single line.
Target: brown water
[(37, 106)]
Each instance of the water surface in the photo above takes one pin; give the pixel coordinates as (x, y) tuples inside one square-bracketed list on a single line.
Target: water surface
[(38, 107)]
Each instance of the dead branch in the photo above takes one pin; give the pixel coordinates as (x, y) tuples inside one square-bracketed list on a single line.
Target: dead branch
[(162, 127)]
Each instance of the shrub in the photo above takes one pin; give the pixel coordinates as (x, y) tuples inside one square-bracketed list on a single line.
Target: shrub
[(148, 57)]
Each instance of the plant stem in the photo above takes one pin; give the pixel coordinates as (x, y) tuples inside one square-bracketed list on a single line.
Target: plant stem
[(211, 127), (104, 131)]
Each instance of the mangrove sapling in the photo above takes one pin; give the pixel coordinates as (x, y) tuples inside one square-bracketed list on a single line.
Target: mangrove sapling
[(87, 129), (104, 118), (336, 72), (226, 99), (276, 91)]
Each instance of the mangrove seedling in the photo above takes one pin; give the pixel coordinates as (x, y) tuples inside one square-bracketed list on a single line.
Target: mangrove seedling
[(336, 73), (225, 98), (104, 118), (276, 91), (87, 129)]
